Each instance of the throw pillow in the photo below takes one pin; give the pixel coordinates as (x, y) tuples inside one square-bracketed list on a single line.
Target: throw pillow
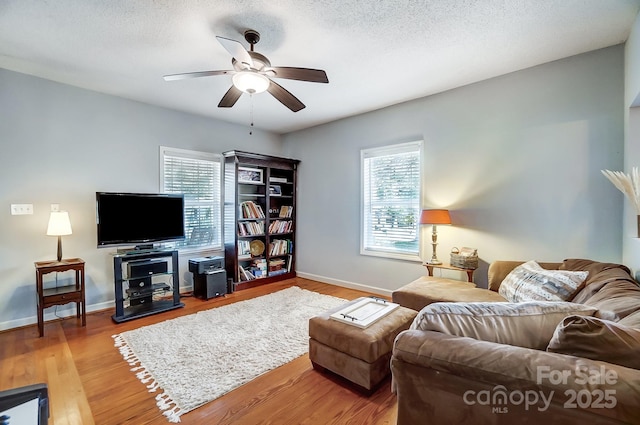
[(530, 282), (597, 339), (528, 324)]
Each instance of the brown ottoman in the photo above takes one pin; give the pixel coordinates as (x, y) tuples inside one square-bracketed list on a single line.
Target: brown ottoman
[(427, 289), (360, 355)]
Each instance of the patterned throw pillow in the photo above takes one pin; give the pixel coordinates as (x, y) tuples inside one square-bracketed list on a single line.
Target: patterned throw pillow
[(530, 282)]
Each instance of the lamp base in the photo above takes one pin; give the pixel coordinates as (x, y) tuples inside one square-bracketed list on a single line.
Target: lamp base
[(59, 248), (434, 262)]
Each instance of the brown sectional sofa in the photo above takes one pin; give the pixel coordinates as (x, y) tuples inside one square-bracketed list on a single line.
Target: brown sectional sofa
[(592, 377)]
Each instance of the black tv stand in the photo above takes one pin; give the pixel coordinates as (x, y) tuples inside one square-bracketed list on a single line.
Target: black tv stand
[(137, 296)]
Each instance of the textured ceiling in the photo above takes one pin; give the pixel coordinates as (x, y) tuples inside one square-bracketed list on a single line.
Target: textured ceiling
[(376, 53)]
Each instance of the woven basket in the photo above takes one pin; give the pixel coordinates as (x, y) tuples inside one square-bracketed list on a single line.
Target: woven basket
[(464, 261)]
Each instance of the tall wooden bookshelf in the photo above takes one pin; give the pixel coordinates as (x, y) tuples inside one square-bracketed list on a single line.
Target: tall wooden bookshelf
[(259, 218)]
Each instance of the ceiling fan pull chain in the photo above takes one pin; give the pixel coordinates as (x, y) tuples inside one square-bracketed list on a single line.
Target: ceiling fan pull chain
[(251, 113)]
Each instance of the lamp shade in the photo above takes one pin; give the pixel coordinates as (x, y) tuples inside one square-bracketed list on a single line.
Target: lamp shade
[(250, 82), (435, 217), (59, 224)]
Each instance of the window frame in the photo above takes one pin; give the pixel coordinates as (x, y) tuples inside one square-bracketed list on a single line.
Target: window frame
[(413, 146), (217, 208)]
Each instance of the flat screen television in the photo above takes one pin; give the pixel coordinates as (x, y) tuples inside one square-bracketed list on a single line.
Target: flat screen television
[(138, 218)]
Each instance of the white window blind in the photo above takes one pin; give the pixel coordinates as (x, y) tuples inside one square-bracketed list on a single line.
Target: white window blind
[(197, 175), (391, 188)]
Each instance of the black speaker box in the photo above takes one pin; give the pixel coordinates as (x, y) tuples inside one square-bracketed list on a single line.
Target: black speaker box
[(146, 268), (140, 291), (140, 284), (210, 285), (205, 264)]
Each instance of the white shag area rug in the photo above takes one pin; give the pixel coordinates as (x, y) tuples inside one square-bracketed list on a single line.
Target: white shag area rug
[(197, 358)]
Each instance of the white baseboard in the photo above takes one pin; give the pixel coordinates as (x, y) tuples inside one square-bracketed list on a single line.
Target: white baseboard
[(345, 284), (68, 310), (51, 314)]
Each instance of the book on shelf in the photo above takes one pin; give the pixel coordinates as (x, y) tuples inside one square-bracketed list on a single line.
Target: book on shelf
[(250, 228), (280, 247), (251, 210), (277, 266), (286, 211), (259, 268), (245, 274), (244, 249), (273, 179), (280, 226)]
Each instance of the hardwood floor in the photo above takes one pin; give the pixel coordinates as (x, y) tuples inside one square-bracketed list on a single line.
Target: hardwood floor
[(89, 383)]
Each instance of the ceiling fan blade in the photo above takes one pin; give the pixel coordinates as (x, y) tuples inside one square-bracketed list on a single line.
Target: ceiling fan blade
[(302, 74), (285, 97), (187, 75), (230, 98), (236, 50)]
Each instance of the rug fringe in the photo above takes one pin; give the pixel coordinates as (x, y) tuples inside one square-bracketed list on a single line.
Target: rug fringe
[(163, 401), (173, 415)]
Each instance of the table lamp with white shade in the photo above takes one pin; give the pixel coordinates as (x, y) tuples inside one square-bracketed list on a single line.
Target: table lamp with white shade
[(59, 225)]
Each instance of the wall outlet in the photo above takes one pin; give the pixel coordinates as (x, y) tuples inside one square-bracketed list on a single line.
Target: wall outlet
[(21, 209)]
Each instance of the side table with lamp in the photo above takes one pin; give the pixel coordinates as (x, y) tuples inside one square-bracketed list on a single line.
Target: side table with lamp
[(437, 217), (59, 225)]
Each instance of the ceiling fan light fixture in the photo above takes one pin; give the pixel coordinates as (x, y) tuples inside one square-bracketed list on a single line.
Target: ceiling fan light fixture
[(250, 82)]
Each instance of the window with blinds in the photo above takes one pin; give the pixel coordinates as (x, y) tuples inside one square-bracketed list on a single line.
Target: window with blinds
[(391, 188), (197, 175)]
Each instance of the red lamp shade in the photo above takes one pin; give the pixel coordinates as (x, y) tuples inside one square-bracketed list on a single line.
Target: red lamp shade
[(435, 217)]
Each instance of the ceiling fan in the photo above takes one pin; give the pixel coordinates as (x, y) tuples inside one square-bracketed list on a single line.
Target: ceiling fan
[(252, 73)]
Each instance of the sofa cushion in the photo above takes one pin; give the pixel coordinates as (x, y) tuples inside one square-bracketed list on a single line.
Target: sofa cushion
[(609, 287), (430, 289), (591, 266), (530, 282), (632, 320), (527, 324), (597, 339)]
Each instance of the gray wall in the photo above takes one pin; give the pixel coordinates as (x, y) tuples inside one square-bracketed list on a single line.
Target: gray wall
[(516, 159), (61, 144), (631, 242)]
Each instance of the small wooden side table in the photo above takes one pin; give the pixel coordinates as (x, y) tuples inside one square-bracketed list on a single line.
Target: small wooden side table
[(447, 266), (63, 294)]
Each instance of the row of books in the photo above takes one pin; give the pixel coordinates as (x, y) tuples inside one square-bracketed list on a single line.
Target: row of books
[(245, 274), (251, 210), (244, 249), (257, 270), (250, 228), (286, 211), (281, 226), (279, 266), (280, 247)]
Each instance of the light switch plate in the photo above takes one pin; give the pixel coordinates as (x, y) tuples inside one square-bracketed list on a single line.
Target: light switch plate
[(21, 209)]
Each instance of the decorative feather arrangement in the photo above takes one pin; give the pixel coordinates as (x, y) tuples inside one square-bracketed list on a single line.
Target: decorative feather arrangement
[(628, 184)]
